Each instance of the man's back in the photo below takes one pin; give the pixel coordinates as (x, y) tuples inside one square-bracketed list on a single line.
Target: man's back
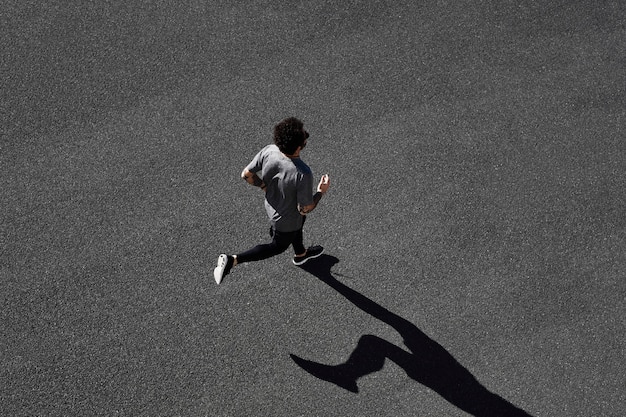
[(289, 183)]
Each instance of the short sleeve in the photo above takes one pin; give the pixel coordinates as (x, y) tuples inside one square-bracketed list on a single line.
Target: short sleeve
[(257, 162), (305, 190)]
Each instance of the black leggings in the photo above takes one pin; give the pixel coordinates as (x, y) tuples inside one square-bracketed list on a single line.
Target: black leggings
[(280, 242)]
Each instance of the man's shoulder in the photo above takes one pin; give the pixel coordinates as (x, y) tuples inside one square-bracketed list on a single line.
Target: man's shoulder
[(302, 167), (270, 150)]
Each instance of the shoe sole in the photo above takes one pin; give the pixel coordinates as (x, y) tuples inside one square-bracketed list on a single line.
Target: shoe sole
[(218, 272), (302, 262)]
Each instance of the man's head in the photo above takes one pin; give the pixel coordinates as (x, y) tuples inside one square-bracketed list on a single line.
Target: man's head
[(289, 134)]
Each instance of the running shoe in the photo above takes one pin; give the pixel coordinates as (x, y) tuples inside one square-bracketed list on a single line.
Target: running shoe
[(312, 252), (224, 265)]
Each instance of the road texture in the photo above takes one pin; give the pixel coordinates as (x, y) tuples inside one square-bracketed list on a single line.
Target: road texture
[(475, 229)]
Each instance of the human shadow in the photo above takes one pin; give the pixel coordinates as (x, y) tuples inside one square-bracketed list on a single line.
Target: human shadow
[(427, 362)]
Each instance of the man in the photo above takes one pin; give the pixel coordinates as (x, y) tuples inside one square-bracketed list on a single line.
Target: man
[(288, 185)]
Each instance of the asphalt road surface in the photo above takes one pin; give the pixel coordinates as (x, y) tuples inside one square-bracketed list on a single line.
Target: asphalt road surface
[(475, 230)]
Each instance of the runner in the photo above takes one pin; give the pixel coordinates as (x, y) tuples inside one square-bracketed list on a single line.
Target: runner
[(288, 185)]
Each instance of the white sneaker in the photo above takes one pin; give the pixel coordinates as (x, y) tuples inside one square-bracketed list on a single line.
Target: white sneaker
[(224, 265)]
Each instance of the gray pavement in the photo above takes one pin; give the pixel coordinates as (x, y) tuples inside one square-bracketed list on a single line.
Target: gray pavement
[(475, 230)]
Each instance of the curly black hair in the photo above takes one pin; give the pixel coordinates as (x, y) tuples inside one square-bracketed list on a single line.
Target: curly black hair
[(289, 134)]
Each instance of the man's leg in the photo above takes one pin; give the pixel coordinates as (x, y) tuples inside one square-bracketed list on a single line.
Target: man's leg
[(301, 255), (298, 241), (280, 242)]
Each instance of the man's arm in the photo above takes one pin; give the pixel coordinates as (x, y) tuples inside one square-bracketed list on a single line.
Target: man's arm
[(304, 210), (252, 179), (322, 188)]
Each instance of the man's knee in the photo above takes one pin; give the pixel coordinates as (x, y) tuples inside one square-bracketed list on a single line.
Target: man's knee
[(280, 247), (282, 240)]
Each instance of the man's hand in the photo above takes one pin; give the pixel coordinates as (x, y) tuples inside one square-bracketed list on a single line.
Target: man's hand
[(253, 179), (322, 187)]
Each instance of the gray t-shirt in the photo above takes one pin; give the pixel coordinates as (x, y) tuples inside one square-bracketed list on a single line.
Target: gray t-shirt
[(289, 184)]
